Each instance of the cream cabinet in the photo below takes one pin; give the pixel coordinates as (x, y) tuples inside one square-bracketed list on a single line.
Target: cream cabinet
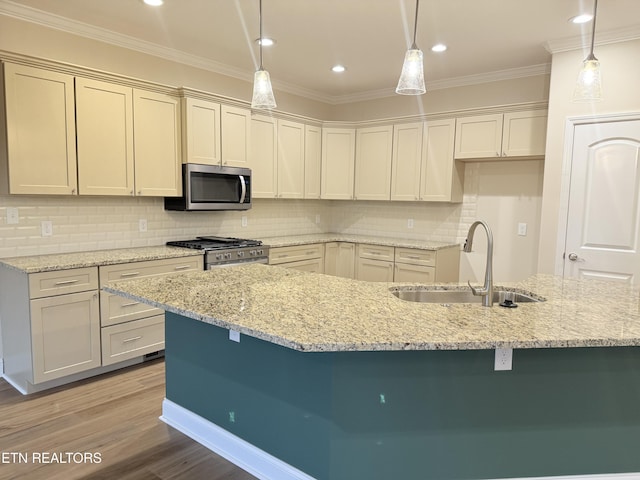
[(373, 163), (104, 138), (39, 118), (50, 325), (442, 177), (309, 258), (338, 161), (374, 263), (291, 159), (339, 259), (264, 156), (516, 134), (235, 125), (201, 132), (129, 328), (427, 266), (406, 161), (312, 161)]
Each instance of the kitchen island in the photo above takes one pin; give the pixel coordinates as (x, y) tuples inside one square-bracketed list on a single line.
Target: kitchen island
[(340, 379)]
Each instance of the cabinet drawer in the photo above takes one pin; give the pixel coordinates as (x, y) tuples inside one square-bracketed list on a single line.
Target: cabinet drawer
[(375, 252), (415, 256), (132, 339), (115, 309), (313, 265), (128, 271), (295, 253), (414, 273), (48, 284)]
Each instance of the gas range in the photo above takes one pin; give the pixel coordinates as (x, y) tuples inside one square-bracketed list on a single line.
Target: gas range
[(226, 251)]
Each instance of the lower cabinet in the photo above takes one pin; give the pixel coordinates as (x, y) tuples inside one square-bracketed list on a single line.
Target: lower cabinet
[(374, 263), (339, 259), (309, 258), (132, 339)]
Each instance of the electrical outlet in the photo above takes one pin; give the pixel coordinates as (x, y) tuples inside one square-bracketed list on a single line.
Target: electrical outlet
[(142, 225), (12, 216), (504, 359), (46, 228), (410, 223), (234, 336), (522, 229), (317, 218), (243, 221)]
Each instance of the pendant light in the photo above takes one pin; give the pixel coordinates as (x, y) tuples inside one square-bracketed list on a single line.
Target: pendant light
[(589, 86), (262, 92), (412, 77)]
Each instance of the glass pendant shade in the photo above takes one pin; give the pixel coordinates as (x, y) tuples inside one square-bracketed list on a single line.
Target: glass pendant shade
[(589, 84), (412, 76), (262, 92)]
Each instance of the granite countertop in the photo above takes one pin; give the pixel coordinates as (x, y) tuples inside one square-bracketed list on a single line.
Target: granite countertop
[(64, 261), (319, 313), (290, 240)]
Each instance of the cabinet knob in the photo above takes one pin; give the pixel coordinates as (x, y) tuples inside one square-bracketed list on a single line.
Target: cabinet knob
[(73, 191), (139, 192), (497, 154), (131, 192), (504, 154)]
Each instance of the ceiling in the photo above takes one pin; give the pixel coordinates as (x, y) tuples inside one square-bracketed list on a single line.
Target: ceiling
[(486, 39)]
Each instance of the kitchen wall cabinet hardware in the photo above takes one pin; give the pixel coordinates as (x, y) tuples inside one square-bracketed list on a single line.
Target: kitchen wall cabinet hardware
[(104, 138), (201, 132), (291, 159), (339, 259), (264, 156), (235, 123), (338, 162), (374, 263), (515, 134), (309, 258), (39, 118), (373, 163), (50, 324), (156, 133), (312, 161), (442, 177), (131, 329)]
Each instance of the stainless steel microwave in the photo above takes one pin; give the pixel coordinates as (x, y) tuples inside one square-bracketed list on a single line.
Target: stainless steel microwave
[(212, 187)]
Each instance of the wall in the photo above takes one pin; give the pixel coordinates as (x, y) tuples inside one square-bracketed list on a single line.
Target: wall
[(620, 76)]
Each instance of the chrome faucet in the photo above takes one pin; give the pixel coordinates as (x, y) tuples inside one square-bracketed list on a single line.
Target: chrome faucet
[(486, 292)]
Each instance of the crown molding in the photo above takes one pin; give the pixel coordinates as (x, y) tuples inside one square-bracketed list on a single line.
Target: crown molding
[(584, 41)]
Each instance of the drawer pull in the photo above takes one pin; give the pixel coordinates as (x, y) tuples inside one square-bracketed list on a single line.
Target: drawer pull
[(182, 267), (130, 274), (67, 282), (130, 304), (283, 255), (413, 257), (132, 339), (310, 252)]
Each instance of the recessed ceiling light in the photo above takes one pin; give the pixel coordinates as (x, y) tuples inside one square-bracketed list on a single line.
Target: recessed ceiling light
[(266, 42), (154, 3), (583, 18), (338, 68), (440, 47)]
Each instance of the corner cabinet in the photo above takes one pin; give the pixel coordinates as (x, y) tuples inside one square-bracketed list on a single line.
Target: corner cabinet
[(39, 118), (338, 162), (501, 136), (339, 259)]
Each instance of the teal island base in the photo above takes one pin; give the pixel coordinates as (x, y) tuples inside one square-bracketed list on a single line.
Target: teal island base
[(411, 415)]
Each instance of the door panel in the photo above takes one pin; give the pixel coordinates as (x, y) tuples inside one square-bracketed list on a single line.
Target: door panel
[(602, 227)]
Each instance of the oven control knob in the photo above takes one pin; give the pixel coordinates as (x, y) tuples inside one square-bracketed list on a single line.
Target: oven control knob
[(218, 256), (240, 254), (227, 256), (253, 253), (260, 252)]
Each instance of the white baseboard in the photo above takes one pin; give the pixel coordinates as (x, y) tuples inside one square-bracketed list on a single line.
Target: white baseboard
[(1, 367), (267, 467)]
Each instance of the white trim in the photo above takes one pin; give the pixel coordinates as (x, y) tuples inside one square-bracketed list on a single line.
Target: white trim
[(1, 367), (267, 467), (602, 38), (239, 452), (563, 216)]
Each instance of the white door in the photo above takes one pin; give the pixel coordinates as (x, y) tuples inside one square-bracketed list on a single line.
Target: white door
[(604, 215)]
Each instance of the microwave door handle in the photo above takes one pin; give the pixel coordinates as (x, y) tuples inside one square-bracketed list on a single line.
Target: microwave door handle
[(244, 189)]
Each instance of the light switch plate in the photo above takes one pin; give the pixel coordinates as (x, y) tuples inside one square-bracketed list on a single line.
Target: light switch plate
[(142, 225), (46, 227), (12, 216), (522, 229)]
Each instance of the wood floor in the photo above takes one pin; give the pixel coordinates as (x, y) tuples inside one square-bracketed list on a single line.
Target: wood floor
[(114, 415)]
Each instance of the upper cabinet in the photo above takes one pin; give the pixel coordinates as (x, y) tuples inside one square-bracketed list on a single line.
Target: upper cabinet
[(291, 159), (201, 132), (236, 136), (373, 163), (442, 177), (40, 154), (407, 159), (263, 156), (338, 159), (312, 161), (517, 134)]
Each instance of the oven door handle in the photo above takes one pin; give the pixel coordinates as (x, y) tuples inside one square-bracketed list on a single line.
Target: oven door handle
[(244, 189)]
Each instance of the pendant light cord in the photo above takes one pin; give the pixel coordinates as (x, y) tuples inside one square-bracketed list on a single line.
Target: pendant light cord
[(415, 26), (593, 30), (260, 40)]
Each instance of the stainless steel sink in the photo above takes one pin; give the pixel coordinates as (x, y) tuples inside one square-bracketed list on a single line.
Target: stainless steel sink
[(445, 296)]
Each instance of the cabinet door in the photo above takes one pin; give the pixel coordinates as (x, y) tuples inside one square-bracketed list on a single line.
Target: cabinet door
[(236, 136), (442, 177), (157, 144), (338, 161), (104, 138), (479, 137), (374, 270), (41, 131), (290, 159), (524, 133), (373, 163), (201, 132), (406, 161), (65, 332), (414, 273), (339, 259), (312, 161), (263, 157)]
